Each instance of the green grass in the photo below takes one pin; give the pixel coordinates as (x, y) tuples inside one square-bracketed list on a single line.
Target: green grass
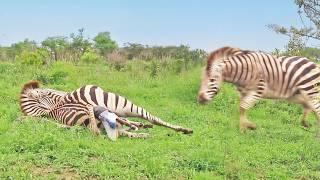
[(278, 149)]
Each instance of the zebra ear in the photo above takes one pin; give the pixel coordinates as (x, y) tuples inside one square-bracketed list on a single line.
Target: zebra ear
[(33, 84)]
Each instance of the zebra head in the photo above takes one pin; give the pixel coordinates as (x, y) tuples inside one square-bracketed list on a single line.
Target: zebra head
[(35, 101), (212, 78)]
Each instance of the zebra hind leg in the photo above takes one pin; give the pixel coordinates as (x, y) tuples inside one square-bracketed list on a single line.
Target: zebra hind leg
[(316, 109), (303, 121), (312, 99)]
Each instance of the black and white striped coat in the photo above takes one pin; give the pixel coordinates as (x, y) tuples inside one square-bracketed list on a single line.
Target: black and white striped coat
[(260, 75), (77, 106)]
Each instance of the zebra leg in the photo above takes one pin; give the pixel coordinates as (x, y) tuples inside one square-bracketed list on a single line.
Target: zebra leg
[(246, 103), (92, 121), (311, 98), (316, 108), (139, 125), (303, 121), (123, 121), (123, 132), (174, 127), (244, 122)]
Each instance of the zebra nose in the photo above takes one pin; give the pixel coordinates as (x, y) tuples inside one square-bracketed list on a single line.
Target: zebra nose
[(202, 98)]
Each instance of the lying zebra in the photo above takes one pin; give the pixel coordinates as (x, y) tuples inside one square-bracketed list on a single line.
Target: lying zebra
[(83, 107)]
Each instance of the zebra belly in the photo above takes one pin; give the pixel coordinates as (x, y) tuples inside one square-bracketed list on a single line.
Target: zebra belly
[(273, 94), (298, 99)]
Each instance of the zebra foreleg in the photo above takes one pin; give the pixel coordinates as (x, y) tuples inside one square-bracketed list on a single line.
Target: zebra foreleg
[(125, 122), (244, 122), (133, 124), (246, 103), (123, 132)]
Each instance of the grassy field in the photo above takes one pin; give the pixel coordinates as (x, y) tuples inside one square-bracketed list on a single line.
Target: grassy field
[(33, 148)]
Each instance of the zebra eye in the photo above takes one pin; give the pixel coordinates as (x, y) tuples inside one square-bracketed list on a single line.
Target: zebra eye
[(211, 80)]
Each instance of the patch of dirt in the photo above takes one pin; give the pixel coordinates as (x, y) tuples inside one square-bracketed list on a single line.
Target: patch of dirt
[(65, 173)]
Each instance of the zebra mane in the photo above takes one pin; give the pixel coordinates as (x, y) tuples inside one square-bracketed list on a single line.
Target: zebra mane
[(33, 84), (222, 53)]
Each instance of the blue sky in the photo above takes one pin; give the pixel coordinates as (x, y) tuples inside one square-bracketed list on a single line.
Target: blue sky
[(205, 24)]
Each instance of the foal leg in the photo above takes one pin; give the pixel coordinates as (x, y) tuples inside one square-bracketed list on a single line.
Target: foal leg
[(123, 132)]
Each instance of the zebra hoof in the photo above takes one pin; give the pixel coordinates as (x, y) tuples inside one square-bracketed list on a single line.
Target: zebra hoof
[(186, 131), (139, 135), (305, 124), (247, 125), (147, 126)]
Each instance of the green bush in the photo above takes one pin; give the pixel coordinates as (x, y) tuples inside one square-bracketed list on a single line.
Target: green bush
[(154, 69), (37, 57), (57, 77), (90, 58), (178, 65)]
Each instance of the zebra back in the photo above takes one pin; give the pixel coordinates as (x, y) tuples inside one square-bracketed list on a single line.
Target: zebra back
[(220, 54), (117, 104)]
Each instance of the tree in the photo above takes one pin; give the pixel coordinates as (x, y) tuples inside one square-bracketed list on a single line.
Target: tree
[(26, 45), (104, 43), (133, 50), (307, 10), (54, 45), (79, 45)]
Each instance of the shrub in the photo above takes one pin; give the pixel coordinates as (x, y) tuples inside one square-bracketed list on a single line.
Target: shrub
[(90, 57), (37, 57), (154, 69), (57, 77), (178, 66), (117, 60)]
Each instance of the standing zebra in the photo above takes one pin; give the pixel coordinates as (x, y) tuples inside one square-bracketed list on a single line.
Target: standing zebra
[(78, 107), (259, 75)]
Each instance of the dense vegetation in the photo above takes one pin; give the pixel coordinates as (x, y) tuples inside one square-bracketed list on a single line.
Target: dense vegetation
[(31, 148), (76, 48)]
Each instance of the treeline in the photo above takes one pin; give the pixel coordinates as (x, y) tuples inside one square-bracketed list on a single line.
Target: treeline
[(77, 48)]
